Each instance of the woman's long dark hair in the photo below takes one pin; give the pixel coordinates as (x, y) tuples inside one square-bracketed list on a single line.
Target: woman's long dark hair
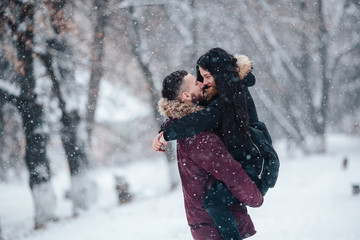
[(222, 66)]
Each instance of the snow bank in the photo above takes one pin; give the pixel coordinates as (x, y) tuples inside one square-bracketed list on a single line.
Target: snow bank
[(312, 200)]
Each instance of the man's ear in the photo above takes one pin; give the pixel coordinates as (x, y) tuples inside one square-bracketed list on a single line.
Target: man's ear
[(185, 96)]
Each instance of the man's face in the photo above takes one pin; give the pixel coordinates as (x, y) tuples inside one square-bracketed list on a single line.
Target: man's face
[(209, 81), (193, 89)]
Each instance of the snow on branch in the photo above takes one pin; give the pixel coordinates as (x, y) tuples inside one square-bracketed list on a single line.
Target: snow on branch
[(352, 87), (277, 114), (9, 89), (340, 54), (281, 53), (274, 58), (338, 16), (274, 16), (184, 31), (127, 4)]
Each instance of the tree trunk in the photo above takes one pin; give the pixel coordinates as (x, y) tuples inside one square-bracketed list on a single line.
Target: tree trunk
[(73, 133), (83, 190), (194, 32), (11, 156), (36, 143), (1, 235), (36, 136), (75, 147), (320, 127), (97, 69), (3, 165)]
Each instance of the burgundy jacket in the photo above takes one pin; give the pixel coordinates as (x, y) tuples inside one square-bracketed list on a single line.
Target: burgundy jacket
[(202, 160)]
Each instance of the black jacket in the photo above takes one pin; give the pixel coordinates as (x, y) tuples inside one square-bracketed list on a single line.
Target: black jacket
[(210, 119), (261, 162)]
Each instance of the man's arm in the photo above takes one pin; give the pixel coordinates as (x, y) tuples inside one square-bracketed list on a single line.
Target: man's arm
[(209, 152), (195, 123)]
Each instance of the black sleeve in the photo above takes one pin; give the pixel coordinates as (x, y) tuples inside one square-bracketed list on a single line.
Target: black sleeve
[(195, 123), (252, 113), (249, 81)]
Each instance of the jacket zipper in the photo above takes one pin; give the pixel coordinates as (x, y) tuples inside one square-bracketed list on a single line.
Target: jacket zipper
[(263, 161)]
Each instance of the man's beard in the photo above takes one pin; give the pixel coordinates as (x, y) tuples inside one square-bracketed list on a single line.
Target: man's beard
[(200, 100), (210, 93)]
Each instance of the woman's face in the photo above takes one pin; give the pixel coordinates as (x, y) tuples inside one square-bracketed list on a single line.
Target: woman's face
[(209, 81)]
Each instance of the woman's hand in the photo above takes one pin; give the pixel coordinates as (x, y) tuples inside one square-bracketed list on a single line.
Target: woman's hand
[(159, 143)]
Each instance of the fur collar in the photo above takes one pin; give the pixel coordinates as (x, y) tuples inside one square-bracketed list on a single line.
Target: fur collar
[(244, 65), (176, 109)]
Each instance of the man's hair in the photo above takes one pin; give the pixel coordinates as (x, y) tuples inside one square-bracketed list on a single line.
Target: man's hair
[(172, 84)]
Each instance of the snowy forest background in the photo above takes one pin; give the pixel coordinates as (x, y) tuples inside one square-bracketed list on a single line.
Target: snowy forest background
[(80, 80)]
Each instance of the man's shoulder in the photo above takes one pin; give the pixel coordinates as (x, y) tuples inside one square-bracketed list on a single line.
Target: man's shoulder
[(202, 138), (196, 146)]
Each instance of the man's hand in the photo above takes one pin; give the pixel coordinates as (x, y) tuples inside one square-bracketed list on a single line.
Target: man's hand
[(159, 143)]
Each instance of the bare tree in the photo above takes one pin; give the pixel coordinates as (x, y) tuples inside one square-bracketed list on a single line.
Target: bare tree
[(11, 141), (57, 58), (18, 22), (97, 54), (3, 162), (307, 60), (139, 53), (154, 43)]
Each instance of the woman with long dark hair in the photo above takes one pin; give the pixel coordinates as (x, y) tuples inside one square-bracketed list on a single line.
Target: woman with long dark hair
[(218, 69)]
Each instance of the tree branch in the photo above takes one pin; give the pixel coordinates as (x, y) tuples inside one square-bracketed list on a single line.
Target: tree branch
[(282, 121), (343, 53), (47, 62), (15, 100)]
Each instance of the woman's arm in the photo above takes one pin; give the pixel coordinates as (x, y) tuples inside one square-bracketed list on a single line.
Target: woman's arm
[(195, 123)]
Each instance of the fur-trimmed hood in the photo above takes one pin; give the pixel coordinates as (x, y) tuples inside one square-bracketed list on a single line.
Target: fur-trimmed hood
[(244, 65), (176, 109)]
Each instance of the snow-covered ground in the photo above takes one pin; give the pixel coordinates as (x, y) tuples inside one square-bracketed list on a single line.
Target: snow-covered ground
[(312, 200)]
